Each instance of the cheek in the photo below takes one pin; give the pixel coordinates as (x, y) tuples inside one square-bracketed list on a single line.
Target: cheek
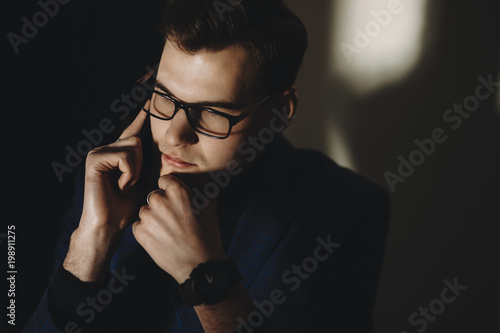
[(157, 131), (228, 150), (218, 153)]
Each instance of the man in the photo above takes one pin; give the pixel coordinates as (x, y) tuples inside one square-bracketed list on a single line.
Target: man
[(239, 231)]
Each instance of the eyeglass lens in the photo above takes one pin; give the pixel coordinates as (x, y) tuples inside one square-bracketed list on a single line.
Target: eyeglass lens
[(199, 118)]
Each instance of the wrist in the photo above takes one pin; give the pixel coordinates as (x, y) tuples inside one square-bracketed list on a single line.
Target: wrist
[(223, 317), (90, 251), (101, 225), (184, 272), (210, 282)]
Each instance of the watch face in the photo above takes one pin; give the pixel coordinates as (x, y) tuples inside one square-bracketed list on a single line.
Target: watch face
[(211, 285)]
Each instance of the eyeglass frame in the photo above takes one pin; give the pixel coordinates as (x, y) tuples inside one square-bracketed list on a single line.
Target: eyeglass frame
[(233, 120)]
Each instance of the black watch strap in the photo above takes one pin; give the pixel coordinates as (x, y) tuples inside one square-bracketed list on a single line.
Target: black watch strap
[(222, 277), (187, 292)]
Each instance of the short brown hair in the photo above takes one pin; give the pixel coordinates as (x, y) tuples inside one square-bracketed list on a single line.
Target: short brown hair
[(267, 29)]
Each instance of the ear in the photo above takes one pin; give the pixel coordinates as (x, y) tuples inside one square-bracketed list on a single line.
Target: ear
[(287, 104)]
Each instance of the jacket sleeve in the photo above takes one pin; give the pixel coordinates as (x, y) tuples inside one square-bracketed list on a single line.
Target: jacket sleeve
[(42, 320)]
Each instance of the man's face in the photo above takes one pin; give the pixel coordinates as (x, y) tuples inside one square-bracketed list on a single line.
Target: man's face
[(208, 78)]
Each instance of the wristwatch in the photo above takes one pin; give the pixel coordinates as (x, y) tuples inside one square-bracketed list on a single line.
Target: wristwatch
[(210, 282)]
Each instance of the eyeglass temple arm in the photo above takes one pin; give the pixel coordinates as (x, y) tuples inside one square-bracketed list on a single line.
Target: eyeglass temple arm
[(247, 112)]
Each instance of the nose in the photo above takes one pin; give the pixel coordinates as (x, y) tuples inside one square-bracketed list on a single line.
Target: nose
[(179, 131)]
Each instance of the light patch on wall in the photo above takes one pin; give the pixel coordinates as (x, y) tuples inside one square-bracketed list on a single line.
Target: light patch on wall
[(376, 42), (338, 148)]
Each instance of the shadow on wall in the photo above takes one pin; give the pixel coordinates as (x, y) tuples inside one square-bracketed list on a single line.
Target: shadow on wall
[(422, 90)]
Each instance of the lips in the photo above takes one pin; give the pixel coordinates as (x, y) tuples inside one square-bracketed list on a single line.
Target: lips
[(175, 161)]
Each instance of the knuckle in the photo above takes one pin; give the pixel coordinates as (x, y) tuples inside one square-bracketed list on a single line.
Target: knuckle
[(91, 154), (92, 151), (170, 182), (137, 231), (124, 155), (131, 141), (163, 181), (144, 214), (90, 160), (135, 141)]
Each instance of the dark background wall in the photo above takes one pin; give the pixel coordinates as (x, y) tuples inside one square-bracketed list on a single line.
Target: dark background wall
[(63, 81), (445, 222)]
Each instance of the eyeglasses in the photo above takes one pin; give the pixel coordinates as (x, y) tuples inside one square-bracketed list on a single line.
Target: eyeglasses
[(203, 120)]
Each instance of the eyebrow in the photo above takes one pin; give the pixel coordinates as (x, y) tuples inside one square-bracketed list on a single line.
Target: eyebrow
[(212, 104)]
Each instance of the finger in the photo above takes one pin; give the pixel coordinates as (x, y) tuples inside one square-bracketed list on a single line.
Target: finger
[(109, 159), (151, 194), (139, 229), (168, 182), (163, 181), (130, 142), (124, 161), (129, 175), (135, 128), (135, 226)]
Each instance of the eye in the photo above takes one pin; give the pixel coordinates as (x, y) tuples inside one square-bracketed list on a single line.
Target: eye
[(210, 114)]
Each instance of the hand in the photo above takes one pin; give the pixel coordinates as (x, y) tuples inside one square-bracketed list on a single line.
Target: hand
[(108, 205), (176, 238), (107, 201)]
